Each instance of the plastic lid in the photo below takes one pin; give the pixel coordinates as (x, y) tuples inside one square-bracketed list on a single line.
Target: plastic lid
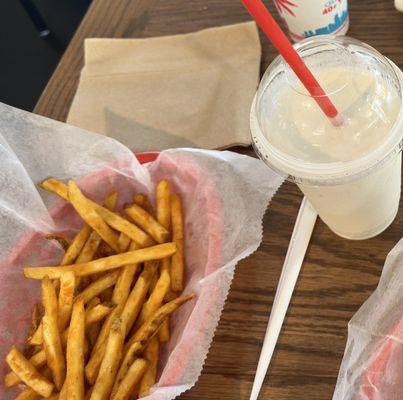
[(292, 134)]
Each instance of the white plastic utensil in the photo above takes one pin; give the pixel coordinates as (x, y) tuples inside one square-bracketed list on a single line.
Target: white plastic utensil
[(300, 238)]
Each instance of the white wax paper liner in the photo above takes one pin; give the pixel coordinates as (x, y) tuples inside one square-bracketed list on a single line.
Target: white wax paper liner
[(373, 360), (224, 196)]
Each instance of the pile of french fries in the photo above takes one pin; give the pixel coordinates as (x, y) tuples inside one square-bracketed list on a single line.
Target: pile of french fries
[(105, 308)]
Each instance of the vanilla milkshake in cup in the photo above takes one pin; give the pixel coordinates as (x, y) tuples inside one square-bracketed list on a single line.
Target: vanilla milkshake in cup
[(350, 173)]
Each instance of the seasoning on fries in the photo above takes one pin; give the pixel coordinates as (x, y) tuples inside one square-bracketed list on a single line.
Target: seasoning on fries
[(105, 317)]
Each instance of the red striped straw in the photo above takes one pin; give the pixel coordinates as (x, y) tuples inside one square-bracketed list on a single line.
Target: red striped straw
[(279, 40)]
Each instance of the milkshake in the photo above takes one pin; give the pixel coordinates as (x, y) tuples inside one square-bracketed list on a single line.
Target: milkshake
[(350, 173)]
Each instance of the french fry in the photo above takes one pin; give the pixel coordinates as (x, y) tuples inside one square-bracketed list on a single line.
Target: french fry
[(114, 220), (171, 296), (123, 242), (90, 216), (90, 248), (132, 378), (104, 264), (177, 260), (38, 360), (163, 195), (64, 243), (147, 222), (111, 200), (131, 355), (76, 245), (75, 353), (63, 392), (91, 245), (28, 394), (164, 331), (98, 351), (98, 286), (128, 309), (153, 283), (96, 314), (54, 396), (65, 301), (93, 302), (151, 354), (126, 276), (51, 336), (157, 296), (28, 373), (110, 362), (151, 326), (36, 338), (143, 201), (137, 296)]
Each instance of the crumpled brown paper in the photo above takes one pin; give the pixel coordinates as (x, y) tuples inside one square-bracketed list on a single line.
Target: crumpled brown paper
[(191, 90)]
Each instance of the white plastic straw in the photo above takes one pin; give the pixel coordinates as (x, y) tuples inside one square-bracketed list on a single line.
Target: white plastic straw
[(300, 238)]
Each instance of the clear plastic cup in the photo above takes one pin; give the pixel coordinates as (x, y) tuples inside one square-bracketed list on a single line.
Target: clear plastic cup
[(351, 174)]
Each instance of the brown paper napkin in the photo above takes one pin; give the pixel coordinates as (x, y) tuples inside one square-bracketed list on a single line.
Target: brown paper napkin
[(192, 90)]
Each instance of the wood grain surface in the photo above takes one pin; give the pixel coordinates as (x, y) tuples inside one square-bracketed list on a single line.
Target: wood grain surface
[(337, 276)]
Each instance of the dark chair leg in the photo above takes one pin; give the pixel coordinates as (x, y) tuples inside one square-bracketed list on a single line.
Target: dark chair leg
[(36, 17)]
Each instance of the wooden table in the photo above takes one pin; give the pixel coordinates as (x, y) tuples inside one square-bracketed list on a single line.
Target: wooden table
[(337, 276)]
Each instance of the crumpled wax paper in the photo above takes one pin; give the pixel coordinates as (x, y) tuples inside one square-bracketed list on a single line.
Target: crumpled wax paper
[(224, 195), (372, 367)]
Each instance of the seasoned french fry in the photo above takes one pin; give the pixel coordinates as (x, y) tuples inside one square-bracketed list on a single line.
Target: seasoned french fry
[(28, 373), (147, 222), (98, 351), (133, 352), (60, 239), (157, 296), (54, 186), (90, 216), (28, 394), (171, 296), (54, 396), (51, 336), (151, 354), (91, 245), (96, 314), (98, 286), (133, 304), (38, 360), (36, 338), (164, 331), (143, 201), (90, 248), (110, 362), (66, 295), (124, 282), (111, 200), (75, 353), (112, 219), (104, 264), (151, 326), (137, 296), (163, 195), (76, 245), (93, 302), (63, 392), (132, 378), (177, 261), (153, 283), (123, 242), (93, 328)]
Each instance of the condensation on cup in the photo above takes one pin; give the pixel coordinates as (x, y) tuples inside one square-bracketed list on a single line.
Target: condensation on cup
[(305, 18)]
